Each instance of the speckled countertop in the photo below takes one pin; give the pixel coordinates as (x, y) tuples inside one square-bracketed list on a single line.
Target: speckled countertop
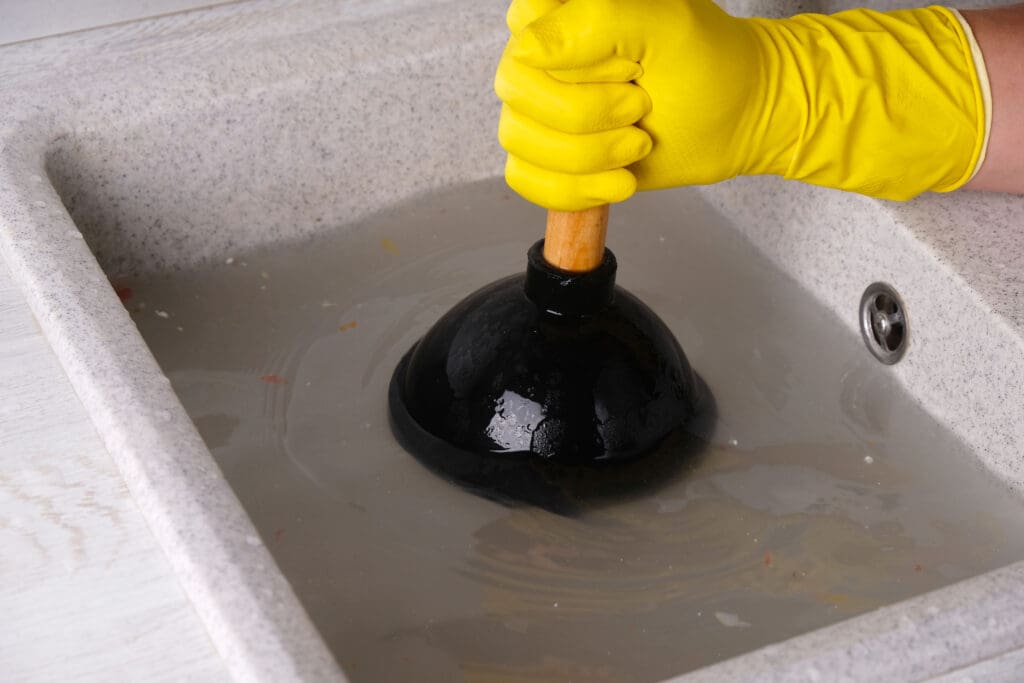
[(182, 139)]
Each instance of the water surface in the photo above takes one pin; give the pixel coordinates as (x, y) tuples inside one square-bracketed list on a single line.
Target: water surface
[(826, 492)]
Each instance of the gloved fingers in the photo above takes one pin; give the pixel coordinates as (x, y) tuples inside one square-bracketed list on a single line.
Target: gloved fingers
[(522, 13), (577, 34), (613, 70), (565, 153), (569, 107), (567, 192)]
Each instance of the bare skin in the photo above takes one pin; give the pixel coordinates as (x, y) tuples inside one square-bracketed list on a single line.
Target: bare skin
[(1000, 34)]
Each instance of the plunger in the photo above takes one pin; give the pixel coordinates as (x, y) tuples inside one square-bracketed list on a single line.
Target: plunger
[(534, 383)]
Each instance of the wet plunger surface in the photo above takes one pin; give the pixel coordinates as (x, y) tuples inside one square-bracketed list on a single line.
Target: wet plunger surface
[(549, 366)]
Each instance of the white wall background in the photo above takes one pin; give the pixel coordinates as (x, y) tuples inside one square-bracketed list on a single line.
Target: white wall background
[(28, 19)]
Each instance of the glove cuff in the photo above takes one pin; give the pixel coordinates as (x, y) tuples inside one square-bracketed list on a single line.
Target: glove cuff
[(887, 104), (983, 85)]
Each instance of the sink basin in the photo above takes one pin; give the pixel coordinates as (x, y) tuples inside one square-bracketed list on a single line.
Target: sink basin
[(232, 223), (820, 494)]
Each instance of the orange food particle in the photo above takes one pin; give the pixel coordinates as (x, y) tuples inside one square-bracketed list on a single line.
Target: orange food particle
[(389, 246), (348, 326), (768, 559), (273, 379), (918, 568)]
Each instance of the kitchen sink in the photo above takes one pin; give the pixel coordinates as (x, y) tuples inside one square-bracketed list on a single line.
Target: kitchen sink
[(232, 223)]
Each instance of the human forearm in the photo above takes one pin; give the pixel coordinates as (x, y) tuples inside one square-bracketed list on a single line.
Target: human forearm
[(1000, 35)]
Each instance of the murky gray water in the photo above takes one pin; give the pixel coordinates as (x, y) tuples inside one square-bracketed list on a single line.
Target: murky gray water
[(826, 492)]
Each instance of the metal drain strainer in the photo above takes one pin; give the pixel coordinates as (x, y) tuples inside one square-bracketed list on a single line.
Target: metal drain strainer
[(883, 323)]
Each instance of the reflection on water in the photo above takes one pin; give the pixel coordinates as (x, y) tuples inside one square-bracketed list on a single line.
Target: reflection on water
[(825, 491)]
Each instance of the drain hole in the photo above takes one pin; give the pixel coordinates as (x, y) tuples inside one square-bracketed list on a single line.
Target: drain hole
[(883, 323)]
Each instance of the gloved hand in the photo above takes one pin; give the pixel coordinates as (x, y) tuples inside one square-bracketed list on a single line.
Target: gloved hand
[(603, 97)]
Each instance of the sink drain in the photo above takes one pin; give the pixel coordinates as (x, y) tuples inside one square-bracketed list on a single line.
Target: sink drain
[(883, 323)]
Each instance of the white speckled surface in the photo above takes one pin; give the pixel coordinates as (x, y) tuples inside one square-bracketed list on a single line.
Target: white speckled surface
[(190, 136), (186, 138), (966, 359)]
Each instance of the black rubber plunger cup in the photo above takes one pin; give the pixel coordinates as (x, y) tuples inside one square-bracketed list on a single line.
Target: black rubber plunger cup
[(550, 386)]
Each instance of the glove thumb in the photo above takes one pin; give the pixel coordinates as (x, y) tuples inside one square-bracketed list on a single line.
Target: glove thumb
[(571, 36), (522, 13)]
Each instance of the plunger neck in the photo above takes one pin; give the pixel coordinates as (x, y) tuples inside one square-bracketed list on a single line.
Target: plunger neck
[(566, 293)]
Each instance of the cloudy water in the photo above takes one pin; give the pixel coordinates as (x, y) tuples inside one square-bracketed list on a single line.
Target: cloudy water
[(825, 492)]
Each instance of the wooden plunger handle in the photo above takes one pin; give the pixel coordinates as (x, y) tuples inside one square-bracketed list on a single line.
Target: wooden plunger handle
[(574, 240)]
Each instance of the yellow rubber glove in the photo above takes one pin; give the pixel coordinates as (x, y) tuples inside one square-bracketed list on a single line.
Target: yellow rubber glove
[(603, 97)]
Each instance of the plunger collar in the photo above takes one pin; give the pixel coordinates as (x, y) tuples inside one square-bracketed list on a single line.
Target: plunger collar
[(565, 293)]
